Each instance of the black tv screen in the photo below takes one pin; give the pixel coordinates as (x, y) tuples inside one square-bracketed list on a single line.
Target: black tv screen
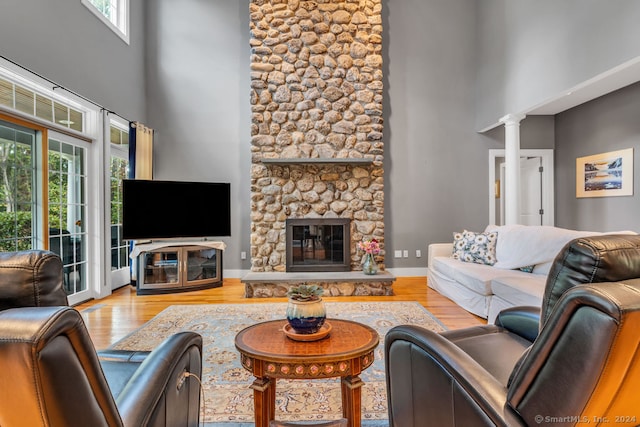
[(174, 209)]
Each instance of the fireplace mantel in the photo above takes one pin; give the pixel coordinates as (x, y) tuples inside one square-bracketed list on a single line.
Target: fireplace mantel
[(317, 160)]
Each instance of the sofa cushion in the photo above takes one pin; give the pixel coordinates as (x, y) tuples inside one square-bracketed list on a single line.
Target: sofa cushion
[(523, 245), (476, 277), (520, 289), (479, 248)]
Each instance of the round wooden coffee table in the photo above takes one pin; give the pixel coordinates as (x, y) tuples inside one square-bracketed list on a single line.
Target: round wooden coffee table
[(269, 354)]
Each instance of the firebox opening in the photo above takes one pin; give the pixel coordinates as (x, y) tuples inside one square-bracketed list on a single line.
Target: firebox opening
[(318, 244)]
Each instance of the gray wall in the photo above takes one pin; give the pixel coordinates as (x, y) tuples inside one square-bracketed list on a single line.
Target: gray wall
[(536, 132), (435, 165), (64, 42), (532, 51), (198, 101), (608, 123)]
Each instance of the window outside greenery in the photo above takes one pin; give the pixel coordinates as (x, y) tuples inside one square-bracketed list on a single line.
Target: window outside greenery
[(119, 247), (104, 7), (67, 211), (17, 187)]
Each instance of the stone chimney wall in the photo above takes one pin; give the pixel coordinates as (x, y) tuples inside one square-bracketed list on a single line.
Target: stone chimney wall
[(316, 99)]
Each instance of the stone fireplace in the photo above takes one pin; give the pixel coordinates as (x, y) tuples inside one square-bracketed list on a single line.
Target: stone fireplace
[(317, 125)]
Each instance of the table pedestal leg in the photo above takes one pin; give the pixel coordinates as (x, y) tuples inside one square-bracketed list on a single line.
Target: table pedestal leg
[(264, 400), (352, 400)]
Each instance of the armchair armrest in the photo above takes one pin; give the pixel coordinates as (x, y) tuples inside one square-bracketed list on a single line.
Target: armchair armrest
[(431, 381), (438, 249), (129, 356), (523, 321), (160, 393)]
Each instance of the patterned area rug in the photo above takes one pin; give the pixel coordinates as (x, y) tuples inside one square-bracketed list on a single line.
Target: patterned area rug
[(227, 397)]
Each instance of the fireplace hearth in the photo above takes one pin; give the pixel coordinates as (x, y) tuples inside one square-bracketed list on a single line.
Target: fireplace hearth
[(318, 244)]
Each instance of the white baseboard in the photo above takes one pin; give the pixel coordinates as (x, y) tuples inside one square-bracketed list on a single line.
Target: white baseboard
[(234, 274), (398, 272)]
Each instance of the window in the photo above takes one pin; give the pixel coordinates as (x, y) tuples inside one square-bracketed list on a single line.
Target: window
[(119, 171), (114, 13), (27, 101), (18, 221), (119, 137), (52, 195)]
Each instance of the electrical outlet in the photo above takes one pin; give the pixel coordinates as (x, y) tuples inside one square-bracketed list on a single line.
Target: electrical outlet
[(243, 255), (405, 254), (397, 254), (418, 253)]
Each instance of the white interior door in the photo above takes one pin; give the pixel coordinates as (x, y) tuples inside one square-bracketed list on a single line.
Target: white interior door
[(531, 211), (536, 186)]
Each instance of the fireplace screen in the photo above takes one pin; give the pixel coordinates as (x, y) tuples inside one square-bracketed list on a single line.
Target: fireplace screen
[(318, 244)]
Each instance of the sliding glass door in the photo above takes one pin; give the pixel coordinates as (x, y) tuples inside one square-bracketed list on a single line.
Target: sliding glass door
[(45, 213)]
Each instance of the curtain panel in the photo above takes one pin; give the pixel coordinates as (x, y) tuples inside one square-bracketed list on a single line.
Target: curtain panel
[(140, 151)]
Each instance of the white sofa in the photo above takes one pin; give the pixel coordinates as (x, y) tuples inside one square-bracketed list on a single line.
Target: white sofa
[(485, 290)]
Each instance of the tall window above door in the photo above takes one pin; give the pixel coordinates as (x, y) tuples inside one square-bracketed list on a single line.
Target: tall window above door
[(29, 101), (114, 14)]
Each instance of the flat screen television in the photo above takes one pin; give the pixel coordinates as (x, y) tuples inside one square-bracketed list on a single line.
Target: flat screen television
[(175, 209)]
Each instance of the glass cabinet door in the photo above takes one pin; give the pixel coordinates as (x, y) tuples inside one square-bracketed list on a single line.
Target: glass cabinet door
[(201, 264), (161, 267)]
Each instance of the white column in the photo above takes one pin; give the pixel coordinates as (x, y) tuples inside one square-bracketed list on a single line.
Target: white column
[(512, 167)]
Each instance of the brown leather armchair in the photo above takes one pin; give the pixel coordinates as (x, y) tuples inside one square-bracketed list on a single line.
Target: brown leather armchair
[(575, 360), (51, 374)]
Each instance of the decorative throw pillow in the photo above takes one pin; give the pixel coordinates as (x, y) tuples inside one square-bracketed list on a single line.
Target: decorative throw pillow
[(479, 248)]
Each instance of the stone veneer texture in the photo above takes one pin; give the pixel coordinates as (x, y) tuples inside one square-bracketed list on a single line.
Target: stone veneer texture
[(316, 92)]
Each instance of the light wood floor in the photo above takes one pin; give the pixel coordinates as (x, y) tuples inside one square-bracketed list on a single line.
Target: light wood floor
[(110, 319)]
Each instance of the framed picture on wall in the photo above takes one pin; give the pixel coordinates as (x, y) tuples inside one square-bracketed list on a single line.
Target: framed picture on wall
[(606, 174)]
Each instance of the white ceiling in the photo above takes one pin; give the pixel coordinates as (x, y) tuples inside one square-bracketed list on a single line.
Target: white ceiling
[(602, 84)]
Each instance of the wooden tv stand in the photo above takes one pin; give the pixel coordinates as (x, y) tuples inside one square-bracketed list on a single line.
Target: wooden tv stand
[(177, 266)]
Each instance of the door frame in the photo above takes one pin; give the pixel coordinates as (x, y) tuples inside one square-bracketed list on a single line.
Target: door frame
[(548, 187), (122, 276), (93, 206)]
